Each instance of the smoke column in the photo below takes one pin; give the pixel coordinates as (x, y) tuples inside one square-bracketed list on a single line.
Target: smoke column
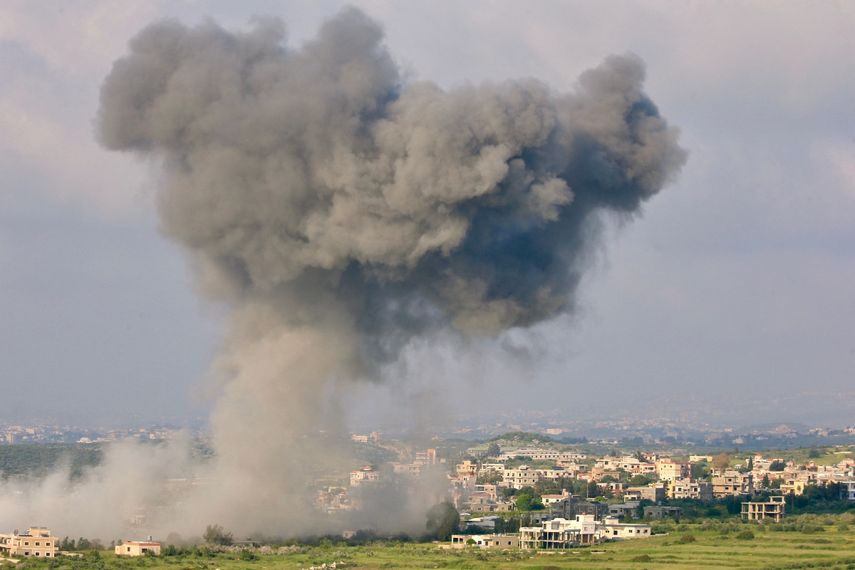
[(339, 212)]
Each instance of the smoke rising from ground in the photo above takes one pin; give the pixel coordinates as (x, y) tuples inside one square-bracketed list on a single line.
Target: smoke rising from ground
[(340, 211)]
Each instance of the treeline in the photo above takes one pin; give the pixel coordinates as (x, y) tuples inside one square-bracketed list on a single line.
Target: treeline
[(40, 459)]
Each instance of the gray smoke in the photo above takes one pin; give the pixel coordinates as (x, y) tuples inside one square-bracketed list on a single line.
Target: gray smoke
[(339, 211)]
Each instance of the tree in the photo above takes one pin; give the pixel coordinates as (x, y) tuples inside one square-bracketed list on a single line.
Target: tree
[(493, 450), (442, 520), (814, 453), (215, 534), (529, 500), (639, 481), (777, 465), (700, 470), (721, 461)]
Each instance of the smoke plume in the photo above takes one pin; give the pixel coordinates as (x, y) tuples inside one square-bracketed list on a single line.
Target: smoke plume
[(339, 211)]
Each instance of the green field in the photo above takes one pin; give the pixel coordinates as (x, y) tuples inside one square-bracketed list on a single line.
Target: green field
[(808, 542)]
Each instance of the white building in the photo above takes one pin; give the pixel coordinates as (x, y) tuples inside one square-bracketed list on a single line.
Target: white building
[(485, 540), (612, 529), (559, 533)]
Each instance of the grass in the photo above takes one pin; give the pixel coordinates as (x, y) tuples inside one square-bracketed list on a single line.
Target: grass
[(724, 545)]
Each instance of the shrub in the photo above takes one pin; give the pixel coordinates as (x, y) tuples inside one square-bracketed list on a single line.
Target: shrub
[(687, 538), (642, 558), (745, 535)]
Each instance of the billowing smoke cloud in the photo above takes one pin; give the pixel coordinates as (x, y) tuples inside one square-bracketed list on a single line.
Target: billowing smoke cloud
[(339, 211)]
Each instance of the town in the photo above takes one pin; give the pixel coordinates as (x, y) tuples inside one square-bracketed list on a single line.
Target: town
[(518, 492)]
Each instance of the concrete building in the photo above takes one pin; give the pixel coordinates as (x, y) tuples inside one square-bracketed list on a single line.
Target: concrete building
[(690, 489), (612, 529), (554, 499), (847, 490), (365, 475), (654, 492), (485, 541), (627, 509), (36, 543), (519, 478), (138, 548), (730, 483), (794, 487), (559, 533), (661, 513), (773, 509), (669, 470)]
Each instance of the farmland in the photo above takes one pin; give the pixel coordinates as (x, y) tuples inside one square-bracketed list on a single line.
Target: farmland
[(802, 542)]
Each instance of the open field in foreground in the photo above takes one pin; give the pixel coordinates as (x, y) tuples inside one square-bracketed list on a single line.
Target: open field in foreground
[(833, 547)]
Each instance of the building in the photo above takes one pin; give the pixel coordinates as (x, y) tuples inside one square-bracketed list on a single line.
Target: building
[(773, 509), (612, 529), (654, 492), (661, 513), (482, 523), (847, 490), (731, 484), (519, 478), (584, 529), (548, 500), (365, 475), (690, 489), (138, 548), (37, 543), (485, 540), (627, 509), (426, 457), (669, 470), (559, 533), (467, 467), (794, 487)]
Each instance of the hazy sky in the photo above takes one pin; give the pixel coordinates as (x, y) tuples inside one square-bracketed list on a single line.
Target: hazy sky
[(738, 283)]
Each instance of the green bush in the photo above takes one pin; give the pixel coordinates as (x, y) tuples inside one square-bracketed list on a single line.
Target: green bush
[(745, 535), (687, 538)]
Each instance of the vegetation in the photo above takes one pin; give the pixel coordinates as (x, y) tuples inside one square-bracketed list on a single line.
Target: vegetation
[(40, 459), (215, 534), (518, 437), (527, 499), (705, 544)]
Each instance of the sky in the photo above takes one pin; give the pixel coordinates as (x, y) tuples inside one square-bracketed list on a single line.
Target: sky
[(733, 287)]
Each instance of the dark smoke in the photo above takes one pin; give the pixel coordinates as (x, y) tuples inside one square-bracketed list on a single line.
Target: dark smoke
[(340, 210)]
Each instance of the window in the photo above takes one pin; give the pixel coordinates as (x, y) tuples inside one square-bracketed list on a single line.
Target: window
[(38, 554), (38, 544), (47, 553)]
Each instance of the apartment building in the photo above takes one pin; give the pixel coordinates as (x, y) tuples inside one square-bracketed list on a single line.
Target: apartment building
[(730, 483), (690, 489), (36, 543), (558, 534), (773, 509), (668, 469)]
